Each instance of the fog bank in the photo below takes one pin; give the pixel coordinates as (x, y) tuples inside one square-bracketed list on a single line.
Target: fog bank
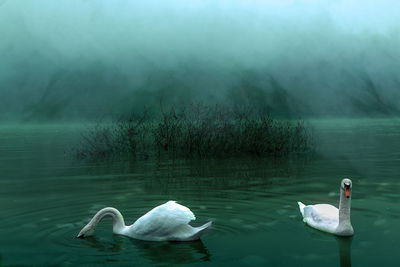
[(70, 59)]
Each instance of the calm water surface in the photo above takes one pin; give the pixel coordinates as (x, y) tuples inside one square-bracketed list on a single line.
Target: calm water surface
[(46, 197)]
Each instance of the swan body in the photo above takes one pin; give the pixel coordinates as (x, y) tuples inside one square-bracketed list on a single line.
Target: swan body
[(169, 221), (328, 218)]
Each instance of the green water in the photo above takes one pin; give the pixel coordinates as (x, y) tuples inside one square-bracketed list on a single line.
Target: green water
[(47, 196)]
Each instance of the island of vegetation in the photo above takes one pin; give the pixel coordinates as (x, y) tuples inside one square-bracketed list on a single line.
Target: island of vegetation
[(197, 131)]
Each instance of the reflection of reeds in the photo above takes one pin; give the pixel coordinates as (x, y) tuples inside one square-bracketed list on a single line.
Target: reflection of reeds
[(200, 131)]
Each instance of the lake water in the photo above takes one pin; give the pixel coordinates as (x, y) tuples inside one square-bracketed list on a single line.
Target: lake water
[(46, 197)]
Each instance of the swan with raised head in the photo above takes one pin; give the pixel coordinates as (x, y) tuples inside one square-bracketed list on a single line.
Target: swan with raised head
[(328, 218), (169, 221)]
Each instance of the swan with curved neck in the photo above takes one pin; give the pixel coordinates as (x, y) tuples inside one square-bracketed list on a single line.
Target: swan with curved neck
[(169, 221), (328, 218)]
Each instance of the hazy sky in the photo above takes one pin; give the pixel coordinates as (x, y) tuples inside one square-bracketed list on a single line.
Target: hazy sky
[(81, 58)]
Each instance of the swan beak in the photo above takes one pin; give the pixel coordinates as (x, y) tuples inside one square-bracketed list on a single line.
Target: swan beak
[(347, 191), (81, 234)]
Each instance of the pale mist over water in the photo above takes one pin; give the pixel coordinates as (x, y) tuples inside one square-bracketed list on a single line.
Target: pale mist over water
[(88, 59)]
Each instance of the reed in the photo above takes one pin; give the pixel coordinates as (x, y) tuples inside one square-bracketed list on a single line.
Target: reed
[(199, 131)]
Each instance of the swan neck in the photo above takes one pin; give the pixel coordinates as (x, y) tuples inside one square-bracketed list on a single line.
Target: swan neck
[(344, 226), (344, 207), (117, 219)]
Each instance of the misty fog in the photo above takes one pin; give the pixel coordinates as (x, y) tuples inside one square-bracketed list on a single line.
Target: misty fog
[(70, 59)]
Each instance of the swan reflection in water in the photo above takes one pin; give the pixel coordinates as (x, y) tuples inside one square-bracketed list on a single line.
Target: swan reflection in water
[(114, 245), (166, 252), (343, 244), (173, 252)]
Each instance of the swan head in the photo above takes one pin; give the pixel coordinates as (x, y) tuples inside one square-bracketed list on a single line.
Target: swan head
[(346, 186), (86, 231)]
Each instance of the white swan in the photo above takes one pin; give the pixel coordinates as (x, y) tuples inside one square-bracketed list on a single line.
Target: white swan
[(328, 218), (168, 221)]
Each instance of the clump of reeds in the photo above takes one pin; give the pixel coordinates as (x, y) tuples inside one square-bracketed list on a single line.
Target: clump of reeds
[(200, 131), (125, 136), (205, 131)]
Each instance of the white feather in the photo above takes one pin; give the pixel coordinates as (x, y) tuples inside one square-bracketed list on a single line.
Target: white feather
[(323, 217), (163, 219)]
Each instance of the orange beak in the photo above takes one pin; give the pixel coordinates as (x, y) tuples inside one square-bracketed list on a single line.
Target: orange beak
[(347, 191)]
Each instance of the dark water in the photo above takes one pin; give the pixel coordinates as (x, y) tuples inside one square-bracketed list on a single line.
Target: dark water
[(46, 197)]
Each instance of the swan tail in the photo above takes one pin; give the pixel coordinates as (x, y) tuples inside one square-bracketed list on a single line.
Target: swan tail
[(185, 232), (301, 207), (205, 226), (202, 229)]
